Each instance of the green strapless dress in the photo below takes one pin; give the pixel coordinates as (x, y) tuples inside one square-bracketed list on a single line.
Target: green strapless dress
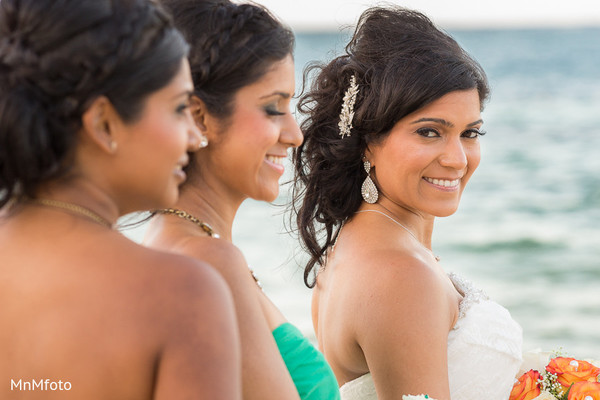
[(312, 376)]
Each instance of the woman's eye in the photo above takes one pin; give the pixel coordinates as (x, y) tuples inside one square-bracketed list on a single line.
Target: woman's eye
[(182, 108), (272, 111), (473, 133), (428, 132)]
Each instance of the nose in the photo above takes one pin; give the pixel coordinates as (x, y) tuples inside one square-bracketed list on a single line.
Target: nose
[(454, 154), (195, 136), (291, 134)]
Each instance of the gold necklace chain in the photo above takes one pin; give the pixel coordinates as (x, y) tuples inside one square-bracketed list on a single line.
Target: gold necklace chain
[(206, 228), (189, 217), (437, 258), (74, 208)]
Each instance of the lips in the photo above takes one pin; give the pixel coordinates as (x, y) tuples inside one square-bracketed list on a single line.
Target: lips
[(179, 167), (448, 183), (183, 161)]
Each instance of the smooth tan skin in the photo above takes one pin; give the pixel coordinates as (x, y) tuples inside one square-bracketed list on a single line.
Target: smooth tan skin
[(83, 304), (382, 303), (232, 168)]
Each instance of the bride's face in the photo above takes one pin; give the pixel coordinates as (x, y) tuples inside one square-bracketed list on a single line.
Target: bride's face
[(427, 159)]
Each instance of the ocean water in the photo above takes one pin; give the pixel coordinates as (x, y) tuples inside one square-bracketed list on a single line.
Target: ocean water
[(527, 231)]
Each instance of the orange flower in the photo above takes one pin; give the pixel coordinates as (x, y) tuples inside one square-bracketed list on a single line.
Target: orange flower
[(585, 391), (527, 387), (570, 370)]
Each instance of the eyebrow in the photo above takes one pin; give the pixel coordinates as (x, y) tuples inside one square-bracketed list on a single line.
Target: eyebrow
[(444, 122), (187, 93), (280, 94)]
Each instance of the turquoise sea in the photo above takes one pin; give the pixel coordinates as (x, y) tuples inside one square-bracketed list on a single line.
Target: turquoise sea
[(528, 228)]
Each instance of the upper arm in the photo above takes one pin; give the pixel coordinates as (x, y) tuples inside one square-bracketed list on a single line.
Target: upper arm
[(200, 356), (402, 328), (265, 375)]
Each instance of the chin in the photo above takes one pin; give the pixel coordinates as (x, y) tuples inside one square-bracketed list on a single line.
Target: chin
[(445, 214), (445, 211), (169, 200), (268, 199), (268, 195)]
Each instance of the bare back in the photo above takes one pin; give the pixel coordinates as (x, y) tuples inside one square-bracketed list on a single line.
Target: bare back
[(89, 312)]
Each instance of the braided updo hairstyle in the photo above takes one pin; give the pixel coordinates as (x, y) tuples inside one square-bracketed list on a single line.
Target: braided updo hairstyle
[(401, 62), (56, 57), (232, 46)]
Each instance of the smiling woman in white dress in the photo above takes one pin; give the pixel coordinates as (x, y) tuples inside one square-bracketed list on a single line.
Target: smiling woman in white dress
[(391, 140)]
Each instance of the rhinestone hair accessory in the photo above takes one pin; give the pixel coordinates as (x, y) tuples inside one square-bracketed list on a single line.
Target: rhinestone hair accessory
[(347, 113)]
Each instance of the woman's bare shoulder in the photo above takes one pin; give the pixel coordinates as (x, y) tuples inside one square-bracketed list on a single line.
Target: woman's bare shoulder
[(222, 255), (193, 324), (169, 274), (401, 313), (392, 270), (389, 285)]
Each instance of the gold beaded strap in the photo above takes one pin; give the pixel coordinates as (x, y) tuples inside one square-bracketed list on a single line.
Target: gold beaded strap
[(74, 208), (187, 216), (206, 228)]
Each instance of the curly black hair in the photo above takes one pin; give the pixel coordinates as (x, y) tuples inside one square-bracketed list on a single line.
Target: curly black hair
[(401, 62)]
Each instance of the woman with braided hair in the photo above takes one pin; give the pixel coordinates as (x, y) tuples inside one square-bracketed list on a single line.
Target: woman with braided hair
[(391, 140), (243, 73), (94, 124)]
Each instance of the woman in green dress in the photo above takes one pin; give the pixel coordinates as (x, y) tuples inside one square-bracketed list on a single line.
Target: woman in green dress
[(243, 72)]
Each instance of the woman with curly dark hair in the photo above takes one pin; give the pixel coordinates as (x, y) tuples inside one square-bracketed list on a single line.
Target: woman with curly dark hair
[(391, 139), (243, 73), (95, 124)]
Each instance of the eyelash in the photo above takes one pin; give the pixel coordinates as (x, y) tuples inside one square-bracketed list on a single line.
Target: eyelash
[(425, 131), (272, 112), (477, 132), (182, 107)]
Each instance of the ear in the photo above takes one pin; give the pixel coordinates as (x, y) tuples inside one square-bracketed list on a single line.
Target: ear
[(205, 121), (368, 156), (199, 113), (98, 124)]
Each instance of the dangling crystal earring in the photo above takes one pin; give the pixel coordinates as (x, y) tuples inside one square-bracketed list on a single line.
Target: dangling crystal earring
[(369, 190)]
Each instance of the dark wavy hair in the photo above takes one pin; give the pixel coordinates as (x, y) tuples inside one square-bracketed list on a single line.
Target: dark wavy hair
[(232, 46), (402, 62), (56, 57)]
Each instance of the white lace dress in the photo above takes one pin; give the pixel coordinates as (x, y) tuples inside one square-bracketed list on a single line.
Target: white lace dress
[(484, 351)]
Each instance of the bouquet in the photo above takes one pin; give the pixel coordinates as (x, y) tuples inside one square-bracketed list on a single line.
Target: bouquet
[(562, 378)]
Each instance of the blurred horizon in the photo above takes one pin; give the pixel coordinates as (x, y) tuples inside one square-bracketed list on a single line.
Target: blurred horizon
[(332, 15)]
